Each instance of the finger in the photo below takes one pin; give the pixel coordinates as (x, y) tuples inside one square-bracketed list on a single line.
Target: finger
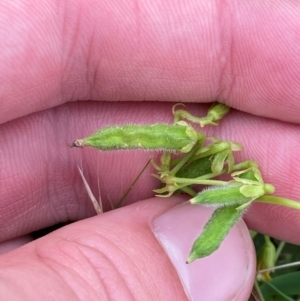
[(15, 243), (41, 185), (113, 257), (241, 53)]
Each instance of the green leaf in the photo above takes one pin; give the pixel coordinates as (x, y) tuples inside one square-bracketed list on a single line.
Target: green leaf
[(219, 161), (287, 284), (214, 232), (195, 169)]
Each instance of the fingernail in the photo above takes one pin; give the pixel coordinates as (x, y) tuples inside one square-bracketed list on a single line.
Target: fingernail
[(227, 274)]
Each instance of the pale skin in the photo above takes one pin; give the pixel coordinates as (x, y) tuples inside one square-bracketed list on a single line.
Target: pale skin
[(56, 52)]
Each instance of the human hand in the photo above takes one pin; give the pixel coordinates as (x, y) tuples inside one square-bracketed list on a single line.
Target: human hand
[(55, 53)]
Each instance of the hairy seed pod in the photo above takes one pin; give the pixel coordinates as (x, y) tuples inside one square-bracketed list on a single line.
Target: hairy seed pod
[(180, 137), (214, 231), (232, 194), (220, 196)]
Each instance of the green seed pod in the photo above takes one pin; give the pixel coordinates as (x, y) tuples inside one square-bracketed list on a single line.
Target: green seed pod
[(235, 193), (214, 232), (221, 196), (180, 137)]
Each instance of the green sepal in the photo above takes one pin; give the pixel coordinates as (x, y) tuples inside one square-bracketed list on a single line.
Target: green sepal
[(220, 152), (256, 191), (251, 175), (219, 161), (253, 183), (215, 113), (165, 161), (214, 232), (253, 191)]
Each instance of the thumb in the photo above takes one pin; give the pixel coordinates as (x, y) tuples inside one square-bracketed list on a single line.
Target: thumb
[(137, 252)]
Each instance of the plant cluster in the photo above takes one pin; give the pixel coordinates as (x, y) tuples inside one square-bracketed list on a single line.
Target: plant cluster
[(190, 159)]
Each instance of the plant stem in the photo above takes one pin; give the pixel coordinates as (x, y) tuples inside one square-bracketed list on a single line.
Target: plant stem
[(259, 293), (199, 181), (189, 191), (279, 267), (279, 201)]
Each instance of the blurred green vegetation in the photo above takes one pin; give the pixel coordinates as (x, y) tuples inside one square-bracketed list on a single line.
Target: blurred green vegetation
[(285, 282)]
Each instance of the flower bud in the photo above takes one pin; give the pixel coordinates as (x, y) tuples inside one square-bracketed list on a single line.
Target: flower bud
[(215, 113), (266, 258)]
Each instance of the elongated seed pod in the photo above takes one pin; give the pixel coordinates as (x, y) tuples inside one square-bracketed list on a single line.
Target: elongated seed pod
[(214, 231), (152, 137), (221, 196), (232, 194)]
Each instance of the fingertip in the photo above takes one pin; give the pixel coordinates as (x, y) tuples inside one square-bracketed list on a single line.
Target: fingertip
[(231, 268), (141, 249)]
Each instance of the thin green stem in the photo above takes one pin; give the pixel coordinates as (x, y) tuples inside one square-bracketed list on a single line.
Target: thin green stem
[(279, 250), (198, 181), (259, 293), (186, 158), (282, 266), (189, 191), (279, 201)]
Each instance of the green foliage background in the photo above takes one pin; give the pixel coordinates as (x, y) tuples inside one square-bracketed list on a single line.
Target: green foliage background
[(285, 283)]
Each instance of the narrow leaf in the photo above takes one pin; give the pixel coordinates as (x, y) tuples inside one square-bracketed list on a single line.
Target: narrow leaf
[(195, 169)]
